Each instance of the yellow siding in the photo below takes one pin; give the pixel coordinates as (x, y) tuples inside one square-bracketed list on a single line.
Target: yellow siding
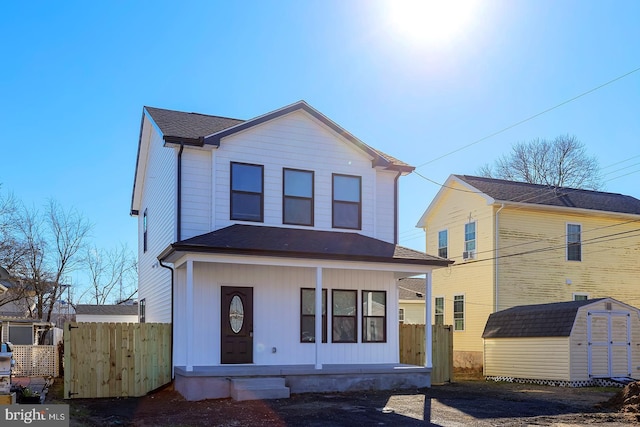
[(414, 312), (530, 358), (473, 279), (533, 267)]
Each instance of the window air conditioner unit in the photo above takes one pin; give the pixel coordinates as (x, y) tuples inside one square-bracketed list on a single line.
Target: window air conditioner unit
[(468, 255)]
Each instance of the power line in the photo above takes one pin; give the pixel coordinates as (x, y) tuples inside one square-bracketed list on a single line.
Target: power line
[(530, 118)]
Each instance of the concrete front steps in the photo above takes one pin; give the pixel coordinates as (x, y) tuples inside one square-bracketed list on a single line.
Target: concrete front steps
[(258, 388)]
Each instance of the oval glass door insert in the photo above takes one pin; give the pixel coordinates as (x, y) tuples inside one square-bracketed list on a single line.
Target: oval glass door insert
[(236, 314)]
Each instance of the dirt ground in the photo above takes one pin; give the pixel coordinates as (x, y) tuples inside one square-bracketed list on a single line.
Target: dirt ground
[(465, 402)]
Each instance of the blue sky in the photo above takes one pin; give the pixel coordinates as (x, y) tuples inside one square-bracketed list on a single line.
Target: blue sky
[(75, 76)]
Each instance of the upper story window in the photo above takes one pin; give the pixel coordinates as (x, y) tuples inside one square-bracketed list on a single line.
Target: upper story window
[(297, 202), (347, 201), (443, 243), (144, 231), (439, 311), (247, 192), (374, 316), (574, 243), (469, 240)]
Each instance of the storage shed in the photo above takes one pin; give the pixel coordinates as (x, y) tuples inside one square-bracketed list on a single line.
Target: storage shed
[(107, 313), (575, 343)]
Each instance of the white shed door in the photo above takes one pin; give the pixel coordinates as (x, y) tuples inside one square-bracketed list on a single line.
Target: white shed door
[(609, 336)]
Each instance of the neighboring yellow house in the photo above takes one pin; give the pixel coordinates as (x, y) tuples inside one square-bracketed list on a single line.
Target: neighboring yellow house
[(552, 245), (411, 301)]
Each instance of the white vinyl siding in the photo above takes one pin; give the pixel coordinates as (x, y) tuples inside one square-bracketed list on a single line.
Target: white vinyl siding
[(297, 141), (196, 193), (276, 293), (159, 201)]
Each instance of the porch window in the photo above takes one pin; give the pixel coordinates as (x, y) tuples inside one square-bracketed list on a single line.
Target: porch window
[(297, 202), (247, 192), (347, 202), (443, 243), (458, 313), (439, 311), (374, 316), (308, 317), (574, 244), (344, 315)]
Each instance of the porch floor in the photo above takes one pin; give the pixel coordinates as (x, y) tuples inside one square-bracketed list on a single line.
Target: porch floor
[(213, 382)]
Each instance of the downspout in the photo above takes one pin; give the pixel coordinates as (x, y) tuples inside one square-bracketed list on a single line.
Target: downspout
[(172, 323), (495, 258), (395, 208), (179, 195)]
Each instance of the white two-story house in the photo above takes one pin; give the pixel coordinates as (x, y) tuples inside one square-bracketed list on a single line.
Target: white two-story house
[(248, 228)]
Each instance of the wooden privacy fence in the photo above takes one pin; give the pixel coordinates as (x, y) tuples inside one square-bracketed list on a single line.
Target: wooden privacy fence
[(115, 359), (413, 351)]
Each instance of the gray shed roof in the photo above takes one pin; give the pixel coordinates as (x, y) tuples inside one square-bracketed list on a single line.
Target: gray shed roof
[(114, 310), (412, 289), (522, 192), (301, 243), (539, 320)]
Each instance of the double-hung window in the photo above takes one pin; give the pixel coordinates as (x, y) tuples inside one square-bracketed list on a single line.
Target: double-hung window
[(443, 243), (439, 311), (347, 201), (297, 202), (469, 240), (308, 317), (374, 316), (574, 242), (344, 315), (458, 313), (247, 192)]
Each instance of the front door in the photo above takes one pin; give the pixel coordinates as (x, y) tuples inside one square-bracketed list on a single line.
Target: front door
[(236, 325)]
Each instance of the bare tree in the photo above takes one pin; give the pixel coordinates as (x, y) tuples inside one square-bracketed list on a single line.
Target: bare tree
[(112, 275), (54, 241), (562, 162)]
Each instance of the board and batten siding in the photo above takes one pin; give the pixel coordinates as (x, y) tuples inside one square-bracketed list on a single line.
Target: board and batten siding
[(159, 200), (298, 141), (545, 358), (196, 192), (473, 279), (533, 265), (276, 296)]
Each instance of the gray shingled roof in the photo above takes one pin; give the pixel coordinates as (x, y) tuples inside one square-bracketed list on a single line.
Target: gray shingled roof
[(301, 243), (120, 310), (177, 124), (539, 320), (412, 289), (194, 127), (522, 192)]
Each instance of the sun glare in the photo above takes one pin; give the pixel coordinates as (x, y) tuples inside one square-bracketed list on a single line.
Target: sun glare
[(433, 22)]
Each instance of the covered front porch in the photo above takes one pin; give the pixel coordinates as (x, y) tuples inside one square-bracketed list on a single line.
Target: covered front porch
[(217, 382)]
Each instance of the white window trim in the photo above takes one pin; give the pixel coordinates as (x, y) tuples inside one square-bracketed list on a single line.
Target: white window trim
[(446, 230), (566, 242), (401, 315), (444, 308), (464, 312), (581, 294), (464, 238)]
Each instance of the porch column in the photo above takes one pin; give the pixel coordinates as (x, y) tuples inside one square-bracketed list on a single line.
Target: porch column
[(189, 317), (318, 316), (427, 324)]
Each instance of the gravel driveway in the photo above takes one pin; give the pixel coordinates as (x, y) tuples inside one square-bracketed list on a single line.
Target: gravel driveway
[(463, 403)]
